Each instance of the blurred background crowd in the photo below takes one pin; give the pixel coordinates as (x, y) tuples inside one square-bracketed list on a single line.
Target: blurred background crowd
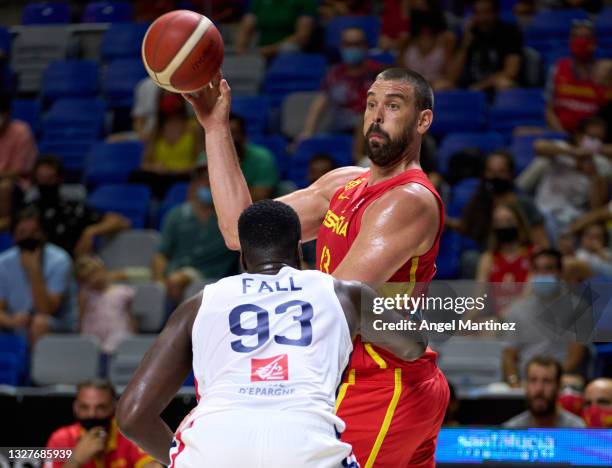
[(106, 216)]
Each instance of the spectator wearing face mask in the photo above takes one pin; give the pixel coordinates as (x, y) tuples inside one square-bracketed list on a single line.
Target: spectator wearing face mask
[(496, 187), (505, 265), (570, 178), (344, 87), (570, 396), (549, 320), (597, 410), (543, 379), (192, 247), (36, 293), (572, 91), (94, 438)]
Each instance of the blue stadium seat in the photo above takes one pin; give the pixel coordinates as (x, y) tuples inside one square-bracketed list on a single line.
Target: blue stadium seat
[(175, 195), (75, 118), (455, 142), (107, 12), (333, 31), (112, 162), (6, 241), (13, 358), (603, 26), (459, 111), (120, 79), (277, 144), (522, 147), (70, 78), (254, 110), (461, 194), (294, 72), (27, 110), (549, 28), (517, 107), (386, 58), (131, 200), (449, 256), (72, 152), (5, 41), (337, 146), (46, 13), (123, 40)]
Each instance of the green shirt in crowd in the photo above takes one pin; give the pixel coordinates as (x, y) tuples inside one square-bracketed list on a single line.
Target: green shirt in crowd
[(276, 18), (186, 241), (259, 167)]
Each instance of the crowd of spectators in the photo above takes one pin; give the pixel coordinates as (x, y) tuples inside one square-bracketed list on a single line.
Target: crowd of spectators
[(535, 233)]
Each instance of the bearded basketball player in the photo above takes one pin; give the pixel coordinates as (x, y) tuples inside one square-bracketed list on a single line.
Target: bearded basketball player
[(376, 225)]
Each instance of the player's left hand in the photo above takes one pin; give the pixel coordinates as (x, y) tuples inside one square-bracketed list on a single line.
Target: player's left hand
[(212, 103)]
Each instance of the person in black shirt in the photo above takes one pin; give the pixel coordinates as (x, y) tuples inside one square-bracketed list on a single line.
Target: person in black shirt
[(71, 225), (490, 54)]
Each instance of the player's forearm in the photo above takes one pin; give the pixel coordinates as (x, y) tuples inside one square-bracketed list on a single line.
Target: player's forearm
[(151, 434), (229, 188)]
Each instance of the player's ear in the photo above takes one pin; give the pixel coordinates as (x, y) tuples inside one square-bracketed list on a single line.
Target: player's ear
[(425, 121)]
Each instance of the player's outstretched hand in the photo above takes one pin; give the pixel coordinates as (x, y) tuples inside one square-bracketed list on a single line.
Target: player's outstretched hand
[(212, 103)]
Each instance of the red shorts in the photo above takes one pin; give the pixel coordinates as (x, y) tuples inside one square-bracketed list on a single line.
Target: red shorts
[(393, 415)]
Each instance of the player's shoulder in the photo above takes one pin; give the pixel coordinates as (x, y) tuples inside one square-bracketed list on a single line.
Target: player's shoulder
[(407, 201), (333, 180)]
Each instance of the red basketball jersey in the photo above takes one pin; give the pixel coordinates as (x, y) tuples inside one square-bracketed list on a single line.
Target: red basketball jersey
[(338, 232)]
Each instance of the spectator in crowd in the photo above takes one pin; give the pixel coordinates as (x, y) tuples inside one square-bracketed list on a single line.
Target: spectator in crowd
[(220, 11), (594, 249), (497, 187), (543, 379), (549, 320), (104, 306), (395, 23), (150, 10), (598, 403), (570, 395), (173, 148), (17, 156), (69, 224), (257, 162), (192, 247), (329, 9), (319, 165), (506, 263), (145, 109), (431, 45), (283, 26), (36, 293), (94, 438), (450, 418), (345, 86), (489, 57), (570, 178), (572, 91)]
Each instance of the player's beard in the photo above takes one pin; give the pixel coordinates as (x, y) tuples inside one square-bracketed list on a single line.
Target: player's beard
[(539, 409), (391, 151)]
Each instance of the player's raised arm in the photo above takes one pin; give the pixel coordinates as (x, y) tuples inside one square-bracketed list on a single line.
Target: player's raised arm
[(229, 188), (395, 228), (362, 306), (157, 380)]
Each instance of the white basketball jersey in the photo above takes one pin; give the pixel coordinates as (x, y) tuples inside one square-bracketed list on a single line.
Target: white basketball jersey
[(278, 342)]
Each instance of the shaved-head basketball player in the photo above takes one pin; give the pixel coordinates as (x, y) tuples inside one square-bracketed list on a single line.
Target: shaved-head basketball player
[(380, 224)]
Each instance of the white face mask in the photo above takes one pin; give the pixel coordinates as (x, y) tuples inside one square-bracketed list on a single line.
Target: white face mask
[(591, 144)]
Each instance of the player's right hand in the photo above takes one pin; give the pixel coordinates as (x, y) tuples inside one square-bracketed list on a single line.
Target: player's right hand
[(212, 103), (90, 445)]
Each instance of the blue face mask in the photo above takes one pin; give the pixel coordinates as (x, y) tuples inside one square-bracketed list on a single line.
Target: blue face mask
[(353, 55), (204, 195), (545, 285)]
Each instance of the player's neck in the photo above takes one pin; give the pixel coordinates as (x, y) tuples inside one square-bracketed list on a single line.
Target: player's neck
[(380, 174), (269, 267)]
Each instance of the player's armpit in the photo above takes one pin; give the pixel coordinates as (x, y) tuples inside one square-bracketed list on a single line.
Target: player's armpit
[(398, 226), (312, 203), (160, 375)]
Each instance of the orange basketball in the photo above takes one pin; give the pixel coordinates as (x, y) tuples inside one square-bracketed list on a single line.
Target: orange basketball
[(182, 50)]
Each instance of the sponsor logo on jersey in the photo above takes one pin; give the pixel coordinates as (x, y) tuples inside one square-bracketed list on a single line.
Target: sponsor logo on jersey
[(270, 369), (337, 224)]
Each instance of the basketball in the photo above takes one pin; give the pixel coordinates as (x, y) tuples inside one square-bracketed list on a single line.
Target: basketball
[(182, 50)]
